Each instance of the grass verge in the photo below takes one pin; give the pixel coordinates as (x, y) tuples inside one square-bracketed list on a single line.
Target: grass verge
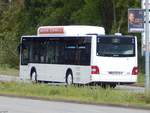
[(140, 81), (74, 93)]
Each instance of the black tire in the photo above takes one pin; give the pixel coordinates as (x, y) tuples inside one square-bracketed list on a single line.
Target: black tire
[(113, 85), (105, 86), (33, 77), (69, 78)]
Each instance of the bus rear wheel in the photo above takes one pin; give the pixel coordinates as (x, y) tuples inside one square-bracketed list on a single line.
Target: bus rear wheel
[(105, 85), (69, 78), (113, 85)]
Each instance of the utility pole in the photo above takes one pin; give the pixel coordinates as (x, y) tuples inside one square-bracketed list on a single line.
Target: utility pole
[(147, 56)]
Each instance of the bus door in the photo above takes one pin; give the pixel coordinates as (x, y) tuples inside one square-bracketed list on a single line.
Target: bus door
[(24, 54)]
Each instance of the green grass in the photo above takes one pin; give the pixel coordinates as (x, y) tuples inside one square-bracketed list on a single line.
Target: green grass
[(74, 93), (6, 70), (140, 79)]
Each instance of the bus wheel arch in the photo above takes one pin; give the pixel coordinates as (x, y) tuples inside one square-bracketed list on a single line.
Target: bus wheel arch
[(33, 75), (69, 77)]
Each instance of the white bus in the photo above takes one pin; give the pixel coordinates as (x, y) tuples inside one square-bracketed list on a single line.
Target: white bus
[(79, 55)]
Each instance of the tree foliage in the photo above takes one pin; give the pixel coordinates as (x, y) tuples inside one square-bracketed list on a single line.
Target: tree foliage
[(89, 13), (23, 17)]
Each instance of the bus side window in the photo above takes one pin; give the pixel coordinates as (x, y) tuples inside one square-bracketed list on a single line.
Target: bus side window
[(50, 53), (25, 55), (70, 51)]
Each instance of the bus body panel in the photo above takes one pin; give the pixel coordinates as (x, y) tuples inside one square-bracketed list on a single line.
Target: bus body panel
[(70, 30), (113, 69), (24, 72), (49, 72)]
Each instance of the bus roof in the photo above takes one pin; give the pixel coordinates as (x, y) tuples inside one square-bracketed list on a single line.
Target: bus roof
[(70, 30)]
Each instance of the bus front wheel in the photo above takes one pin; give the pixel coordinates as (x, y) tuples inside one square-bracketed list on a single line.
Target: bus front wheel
[(34, 77)]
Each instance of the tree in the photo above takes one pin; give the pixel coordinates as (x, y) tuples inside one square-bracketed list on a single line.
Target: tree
[(89, 13), (23, 17), (3, 6), (9, 24), (107, 14), (120, 10)]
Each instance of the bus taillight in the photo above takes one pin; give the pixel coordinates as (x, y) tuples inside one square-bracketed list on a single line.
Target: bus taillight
[(95, 70), (135, 71)]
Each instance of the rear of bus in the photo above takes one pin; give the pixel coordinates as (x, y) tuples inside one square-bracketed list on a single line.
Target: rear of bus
[(114, 60)]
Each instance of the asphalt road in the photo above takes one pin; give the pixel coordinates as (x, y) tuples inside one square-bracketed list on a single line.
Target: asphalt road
[(7, 78), (19, 105)]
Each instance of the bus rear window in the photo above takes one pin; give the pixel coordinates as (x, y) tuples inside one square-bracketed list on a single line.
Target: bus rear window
[(115, 46)]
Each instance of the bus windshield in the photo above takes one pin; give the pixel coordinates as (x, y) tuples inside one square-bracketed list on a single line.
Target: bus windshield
[(115, 46)]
